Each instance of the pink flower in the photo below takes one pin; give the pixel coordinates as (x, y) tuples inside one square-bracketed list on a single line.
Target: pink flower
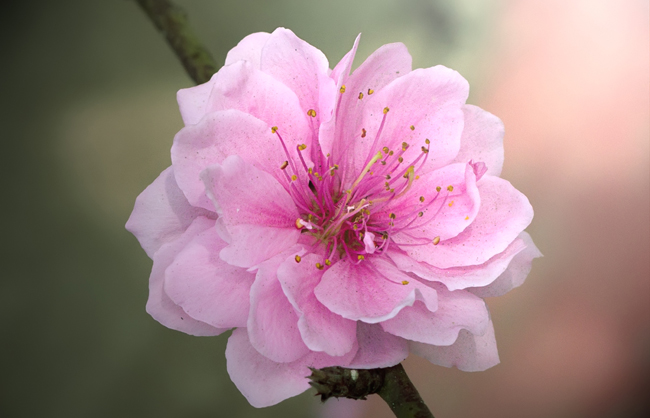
[(332, 219)]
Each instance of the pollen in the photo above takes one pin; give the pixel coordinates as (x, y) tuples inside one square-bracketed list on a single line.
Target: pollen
[(386, 110), (298, 258), (284, 165), (438, 188), (451, 203), (363, 133), (294, 177), (467, 218), (405, 282), (450, 188), (312, 113), (412, 127), (274, 129), (319, 266), (342, 89), (360, 95), (421, 198), (436, 240)]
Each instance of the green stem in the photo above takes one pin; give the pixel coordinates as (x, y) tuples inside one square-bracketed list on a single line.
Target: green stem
[(392, 384), (172, 21)]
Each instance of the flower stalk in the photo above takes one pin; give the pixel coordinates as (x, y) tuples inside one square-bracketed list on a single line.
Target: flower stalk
[(392, 384), (172, 21)]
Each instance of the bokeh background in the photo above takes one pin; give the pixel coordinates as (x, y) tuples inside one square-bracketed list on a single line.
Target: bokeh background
[(88, 114)]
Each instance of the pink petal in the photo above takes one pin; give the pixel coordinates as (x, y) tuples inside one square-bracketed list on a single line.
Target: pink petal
[(377, 349), (162, 213), (456, 310), (217, 136), (431, 101), (460, 277), (264, 382), (516, 273), (249, 49), (341, 71), (192, 101), (321, 329), (504, 214), (445, 213), (371, 291), (206, 287), (256, 210), (382, 67), (296, 64), (273, 322), (159, 305), (470, 353), (482, 139)]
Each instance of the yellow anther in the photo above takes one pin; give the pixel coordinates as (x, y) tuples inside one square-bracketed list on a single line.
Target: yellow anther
[(336, 166), (424, 149), (370, 91), (284, 165), (391, 153), (274, 129), (400, 159), (383, 162), (436, 240), (328, 262), (386, 110), (386, 150), (438, 188), (392, 215), (360, 257), (450, 188), (342, 89), (467, 218), (404, 146), (299, 223), (417, 177), (451, 203), (360, 95), (294, 177), (312, 113), (412, 127), (388, 177), (319, 266), (363, 133), (421, 198), (405, 282), (420, 214), (310, 170), (426, 141), (302, 147), (298, 258)]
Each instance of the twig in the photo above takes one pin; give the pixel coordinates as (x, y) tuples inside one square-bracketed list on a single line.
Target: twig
[(171, 20)]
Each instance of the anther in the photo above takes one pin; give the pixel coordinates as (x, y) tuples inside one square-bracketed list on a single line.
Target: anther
[(298, 258), (386, 150), (420, 214), (438, 188), (424, 149), (467, 218), (421, 198), (405, 282), (328, 262), (400, 159), (312, 113), (319, 266), (294, 177), (360, 257), (392, 215), (302, 147), (436, 240), (284, 165), (386, 110), (342, 89), (412, 127), (274, 129), (363, 133), (451, 203), (404, 146), (388, 177), (360, 95), (426, 141), (450, 188)]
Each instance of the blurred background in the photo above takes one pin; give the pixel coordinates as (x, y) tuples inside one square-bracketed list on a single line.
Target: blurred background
[(88, 114)]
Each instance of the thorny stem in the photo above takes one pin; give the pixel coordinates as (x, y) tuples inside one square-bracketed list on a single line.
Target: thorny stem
[(171, 20), (392, 384)]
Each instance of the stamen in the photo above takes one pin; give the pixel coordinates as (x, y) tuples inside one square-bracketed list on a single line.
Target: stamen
[(319, 266), (438, 188), (363, 133), (342, 89), (312, 113), (405, 282), (274, 129), (436, 240), (370, 91), (450, 188), (412, 127), (360, 95), (421, 198), (298, 258), (386, 109), (284, 165)]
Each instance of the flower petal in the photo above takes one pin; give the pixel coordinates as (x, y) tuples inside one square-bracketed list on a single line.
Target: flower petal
[(159, 305), (256, 210), (456, 310), (516, 273), (470, 353), (162, 213), (249, 49), (321, 329), (455, 278), (218, 135), (377, 348), (482, 139), (504, 214), (264, 382), (206, 287), (371, 291), (273, 322), (193, 101)]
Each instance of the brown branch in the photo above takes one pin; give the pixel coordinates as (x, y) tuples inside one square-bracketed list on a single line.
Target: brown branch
[(172, 21), (392, 384)]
